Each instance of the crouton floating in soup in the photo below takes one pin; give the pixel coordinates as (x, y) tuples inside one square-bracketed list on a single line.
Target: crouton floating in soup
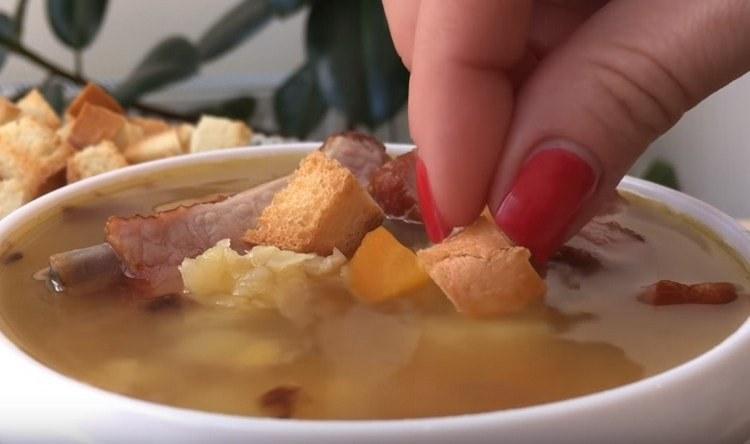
[(270, 287)]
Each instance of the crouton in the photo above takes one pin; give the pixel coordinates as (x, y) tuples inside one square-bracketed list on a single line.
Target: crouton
[(158, 146), (94, 124), (185, 133), (150, 126), (128, 135), (12, 195), (482, 273), (20, 178), (64, 131), (8, 111), (34, 105), (323, 207), (93, 95), (37, 142), (216, 132), (93, 160)]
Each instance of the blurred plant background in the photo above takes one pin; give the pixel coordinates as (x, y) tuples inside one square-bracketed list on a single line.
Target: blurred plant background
[(349, 75), (350, 68)]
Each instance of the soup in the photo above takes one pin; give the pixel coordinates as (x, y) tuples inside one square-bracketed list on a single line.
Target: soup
[(411, 357)]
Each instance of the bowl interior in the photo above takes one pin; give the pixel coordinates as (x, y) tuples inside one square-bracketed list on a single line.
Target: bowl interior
[(24, 372)]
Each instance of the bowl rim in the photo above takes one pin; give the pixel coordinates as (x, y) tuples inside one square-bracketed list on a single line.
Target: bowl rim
[(731, 232)]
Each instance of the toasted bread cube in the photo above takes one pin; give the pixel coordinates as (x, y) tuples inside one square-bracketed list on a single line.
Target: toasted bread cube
[(93, 160), (158, 146), (129, 134), (185, 133), (23, 176), (150, 126), (8, 111), (323, 207), (482, 273), (94, 124), (37, 142), (64, 131), (93, 95), (35, 105), (382, 268), (12, 195), (214, 133)]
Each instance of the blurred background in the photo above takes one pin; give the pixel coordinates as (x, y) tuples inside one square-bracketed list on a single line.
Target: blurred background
[(305, 69)]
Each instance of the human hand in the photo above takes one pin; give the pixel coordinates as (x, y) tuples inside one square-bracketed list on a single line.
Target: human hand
[(538, 109)]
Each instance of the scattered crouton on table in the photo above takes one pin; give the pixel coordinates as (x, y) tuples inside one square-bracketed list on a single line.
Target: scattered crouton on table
[(34, 105), (157, 146), (94, 124), (93, 160), (40, 151), (93, 95), (217, 132)]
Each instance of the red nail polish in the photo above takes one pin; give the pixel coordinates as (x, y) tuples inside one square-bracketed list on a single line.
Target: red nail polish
[(543, 201), (436, 228)]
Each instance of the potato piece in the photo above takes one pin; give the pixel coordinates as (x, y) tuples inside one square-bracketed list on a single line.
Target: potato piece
[(482, 273), (383, 269)]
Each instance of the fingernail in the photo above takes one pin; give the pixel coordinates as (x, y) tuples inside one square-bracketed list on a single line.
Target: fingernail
[(436, 228), (549, 190)]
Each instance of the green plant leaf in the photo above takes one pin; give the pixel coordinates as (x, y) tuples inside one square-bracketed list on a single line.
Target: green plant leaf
[(240, 23), (52, 90), (171, 60), (662, 172), (298, 104), (20, 16), (358, 70), (7, 30), (240, 108), (76, 22)]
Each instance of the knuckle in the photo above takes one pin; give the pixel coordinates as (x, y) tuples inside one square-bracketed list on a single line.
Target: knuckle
[(643, 91)]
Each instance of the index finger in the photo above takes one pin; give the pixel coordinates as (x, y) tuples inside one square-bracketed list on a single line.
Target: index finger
[(460, 101)]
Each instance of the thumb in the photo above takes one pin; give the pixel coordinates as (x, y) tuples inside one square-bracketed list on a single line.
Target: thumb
[(595, 103)]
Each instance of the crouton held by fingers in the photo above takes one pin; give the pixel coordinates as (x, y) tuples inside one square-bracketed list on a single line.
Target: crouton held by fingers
[(482, 273)]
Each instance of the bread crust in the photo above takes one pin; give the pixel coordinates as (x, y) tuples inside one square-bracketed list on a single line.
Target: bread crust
[(482, 273), (95, 95), (323, 207), (94, 124)]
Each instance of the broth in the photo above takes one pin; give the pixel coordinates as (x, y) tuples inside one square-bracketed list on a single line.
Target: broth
[(414, 357)]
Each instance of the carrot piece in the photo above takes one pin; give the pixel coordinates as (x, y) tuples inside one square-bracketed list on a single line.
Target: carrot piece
[(383, 269)]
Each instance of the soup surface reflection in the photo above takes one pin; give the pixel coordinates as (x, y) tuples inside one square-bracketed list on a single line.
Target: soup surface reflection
[(414, 357)]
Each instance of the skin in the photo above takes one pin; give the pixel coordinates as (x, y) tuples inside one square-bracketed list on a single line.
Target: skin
[(493, 79)]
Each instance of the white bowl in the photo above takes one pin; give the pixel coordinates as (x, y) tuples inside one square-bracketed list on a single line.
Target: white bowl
[(703, 400)]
